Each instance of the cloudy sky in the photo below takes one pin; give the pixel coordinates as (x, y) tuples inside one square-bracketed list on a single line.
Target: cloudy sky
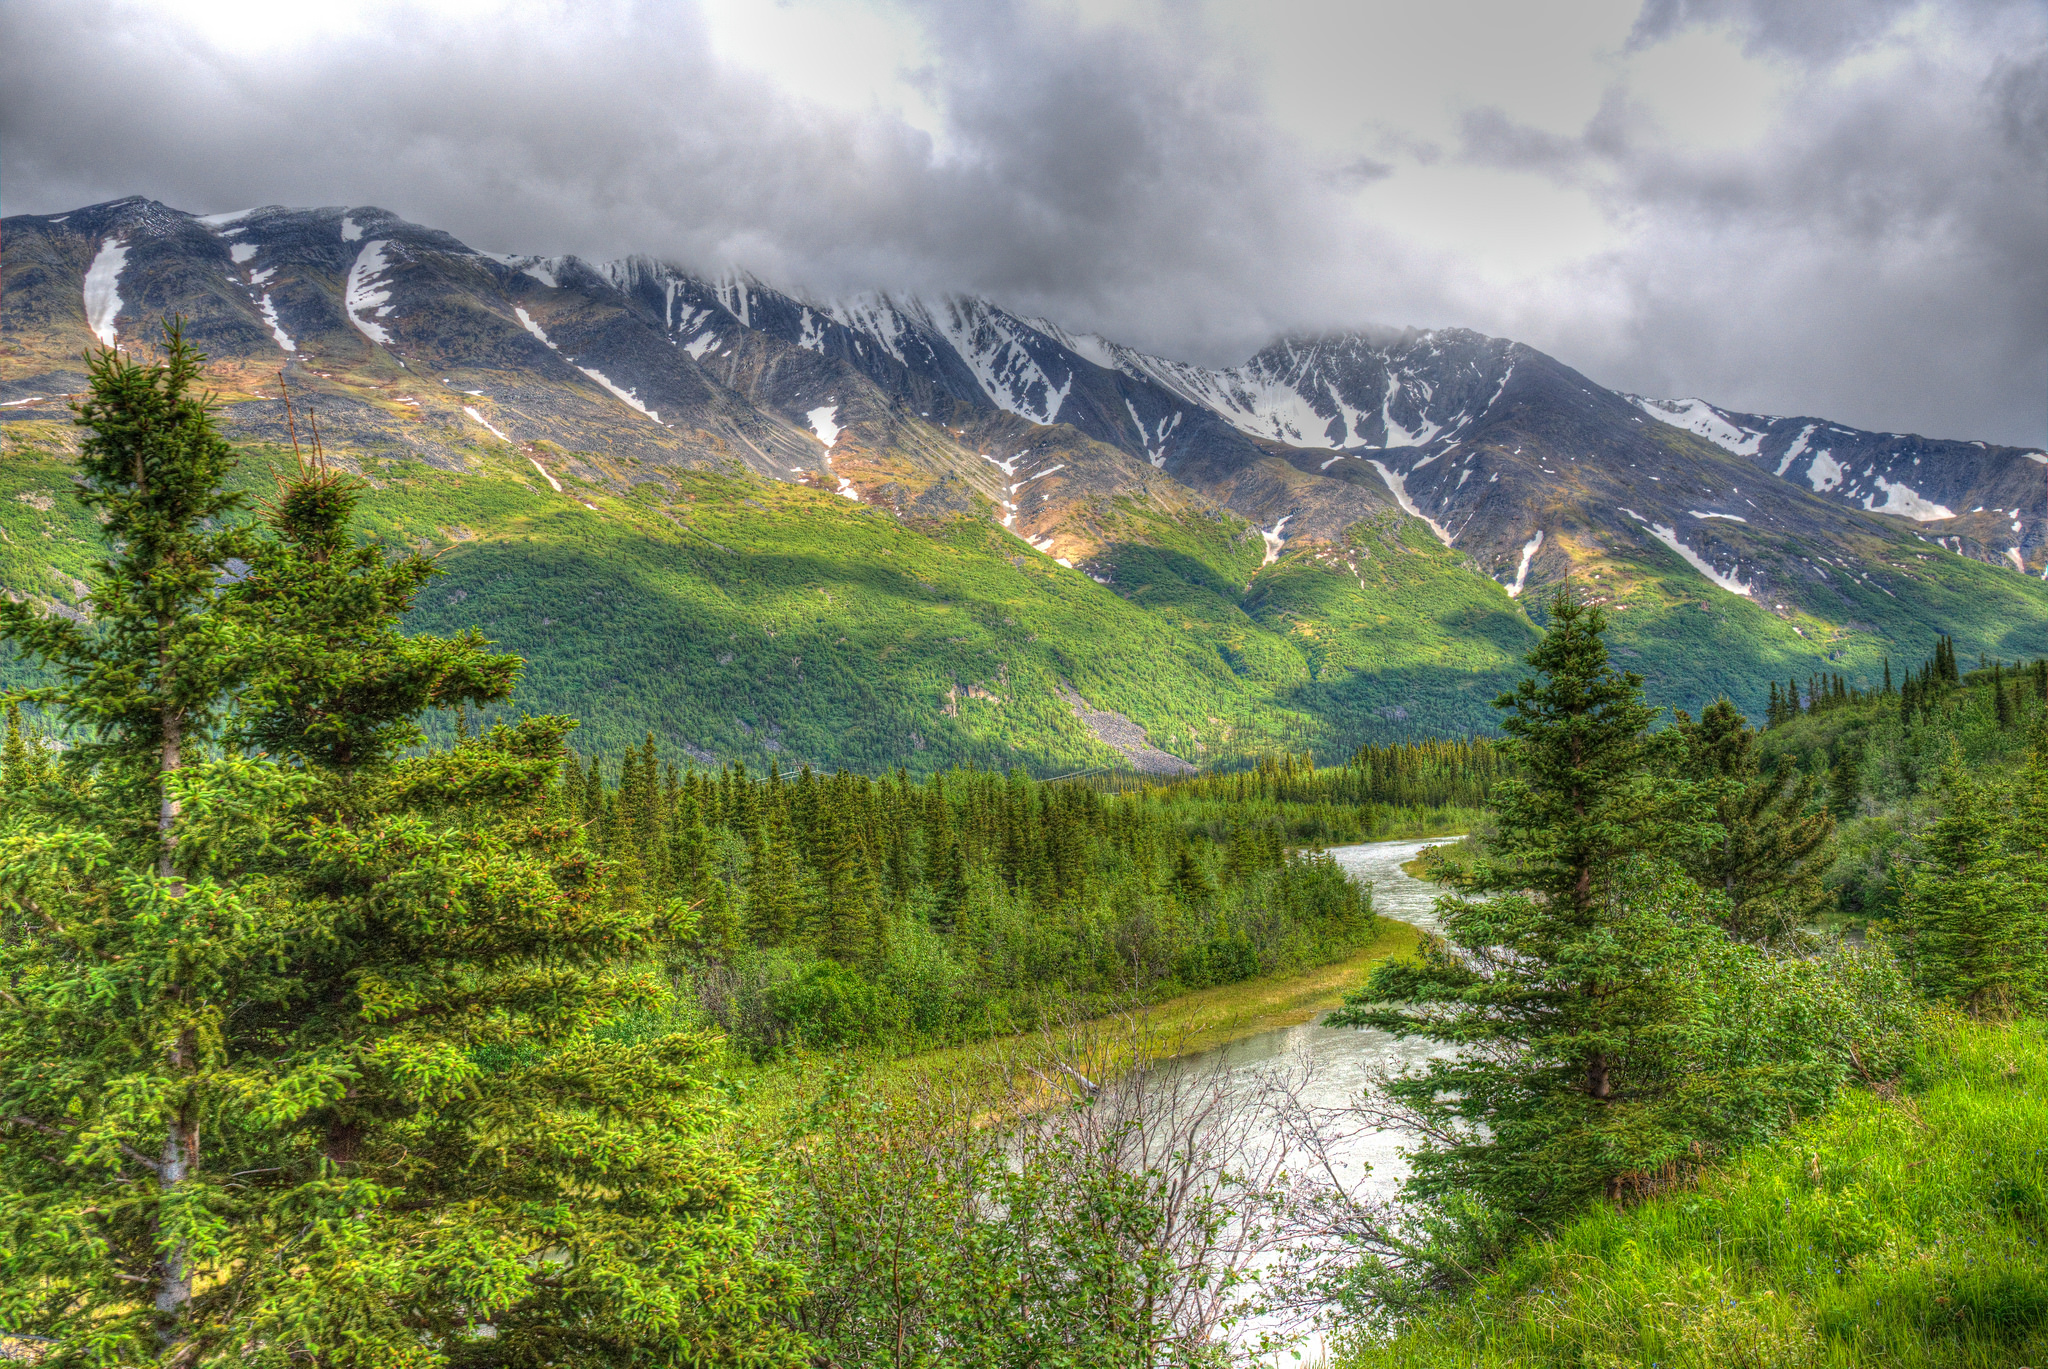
[(1837, 207)]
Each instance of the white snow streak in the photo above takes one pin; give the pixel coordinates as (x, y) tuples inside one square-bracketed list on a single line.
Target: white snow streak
[(554, 483), (351, 231), (847, 490), (212, 220), (699, 345), (1398, 483), (1669, 537), (368, 290), (492, 426), (2018, 562), (1698, 416), (626, 397), (1733, 518), (1798, 446), (277, 331), (823, 424), (1825, 473), (1274, 540), (102, 295), (1529, 550), (1905, 501), (526, 320)]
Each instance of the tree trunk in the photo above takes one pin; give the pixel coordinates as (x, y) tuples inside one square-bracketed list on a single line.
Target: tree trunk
[(167, 805), (181, 1140)]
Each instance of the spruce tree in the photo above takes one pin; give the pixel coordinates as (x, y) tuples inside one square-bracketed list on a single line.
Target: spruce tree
[(1773, 843), (1972, 915), (1560, 967), (331, 1054)]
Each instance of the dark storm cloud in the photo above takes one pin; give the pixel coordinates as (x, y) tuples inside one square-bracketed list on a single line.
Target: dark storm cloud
[(1878, 258), (1882, 259)]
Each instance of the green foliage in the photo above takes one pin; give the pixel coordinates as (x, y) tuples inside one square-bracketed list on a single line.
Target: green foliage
[(1896, 1231), (1973, 914), (328, 1054), (1080, 1236), (1611, 1034), (889, 911), (1772, 846)]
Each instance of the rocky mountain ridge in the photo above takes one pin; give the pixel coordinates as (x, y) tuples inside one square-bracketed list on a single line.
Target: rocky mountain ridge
[(1822, 542)]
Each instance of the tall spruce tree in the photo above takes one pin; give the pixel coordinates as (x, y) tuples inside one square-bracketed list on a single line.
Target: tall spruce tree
[(1973, 914), (1774, 840), (329, 1054), (1560, 966)]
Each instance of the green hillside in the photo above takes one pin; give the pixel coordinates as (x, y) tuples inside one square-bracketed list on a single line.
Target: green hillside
[(1903, 1229), (743, 618), (747, 619)]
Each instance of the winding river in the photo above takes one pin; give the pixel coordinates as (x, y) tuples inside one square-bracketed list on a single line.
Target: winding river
[(1334, 1063)]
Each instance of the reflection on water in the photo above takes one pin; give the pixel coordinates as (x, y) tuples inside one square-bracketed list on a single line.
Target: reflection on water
[(1332, 1064)]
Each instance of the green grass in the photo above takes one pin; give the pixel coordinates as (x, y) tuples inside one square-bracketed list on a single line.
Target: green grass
[(1899, 1231)]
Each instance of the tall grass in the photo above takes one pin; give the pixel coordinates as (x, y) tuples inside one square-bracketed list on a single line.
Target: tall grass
[(1903, 1229)]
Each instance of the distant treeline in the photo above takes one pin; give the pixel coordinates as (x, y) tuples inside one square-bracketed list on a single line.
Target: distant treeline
[(1918, 692), (833, 908)]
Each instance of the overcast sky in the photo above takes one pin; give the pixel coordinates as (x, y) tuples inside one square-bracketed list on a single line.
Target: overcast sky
[(1836, 207)]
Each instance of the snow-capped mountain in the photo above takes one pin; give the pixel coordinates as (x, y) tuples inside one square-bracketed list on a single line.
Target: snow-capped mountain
[(955, 405)]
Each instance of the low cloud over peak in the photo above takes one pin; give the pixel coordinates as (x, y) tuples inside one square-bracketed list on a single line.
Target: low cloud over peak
[(1830, 208)]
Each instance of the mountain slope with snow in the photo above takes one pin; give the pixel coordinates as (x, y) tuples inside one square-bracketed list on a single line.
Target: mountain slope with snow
[(1249, 501)]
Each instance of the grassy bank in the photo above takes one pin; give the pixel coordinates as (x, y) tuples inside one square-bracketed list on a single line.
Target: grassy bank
[(1901, 1230)]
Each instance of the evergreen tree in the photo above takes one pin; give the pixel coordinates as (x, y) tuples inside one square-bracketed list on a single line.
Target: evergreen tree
[(1566, 986), (1972, 915), (1772, 846), (322, 1055), (25, 761)]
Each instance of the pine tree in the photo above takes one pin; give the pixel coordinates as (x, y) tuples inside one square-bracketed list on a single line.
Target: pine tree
[(1565, 985), (25, 761), (1972, 914), (363, 1094), (1772, 847)]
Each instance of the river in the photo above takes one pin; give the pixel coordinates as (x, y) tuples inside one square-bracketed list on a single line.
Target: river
[(1327, 1066)]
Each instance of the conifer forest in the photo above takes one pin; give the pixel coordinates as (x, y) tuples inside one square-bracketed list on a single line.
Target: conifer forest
[(353, 1016)]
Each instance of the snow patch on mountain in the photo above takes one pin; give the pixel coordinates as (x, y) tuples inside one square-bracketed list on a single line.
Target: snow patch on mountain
[(876, 318), (627, 397), (102, 289), (812, 337), (1529, 550), (553, 483), (996, 349), (1798, 448), (215, 220), (699, 345), (473, 413), (284, 340), (369, 289), (823, 424), (1825, 473), (242, 251), (1701, 418), (1904, 500), (1274, 539), (526, 322), (1398, 483), (351, 231), (1088, 346), (1669, 537)]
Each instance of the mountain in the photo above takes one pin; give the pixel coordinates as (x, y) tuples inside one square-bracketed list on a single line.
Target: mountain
[(886, 529)]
